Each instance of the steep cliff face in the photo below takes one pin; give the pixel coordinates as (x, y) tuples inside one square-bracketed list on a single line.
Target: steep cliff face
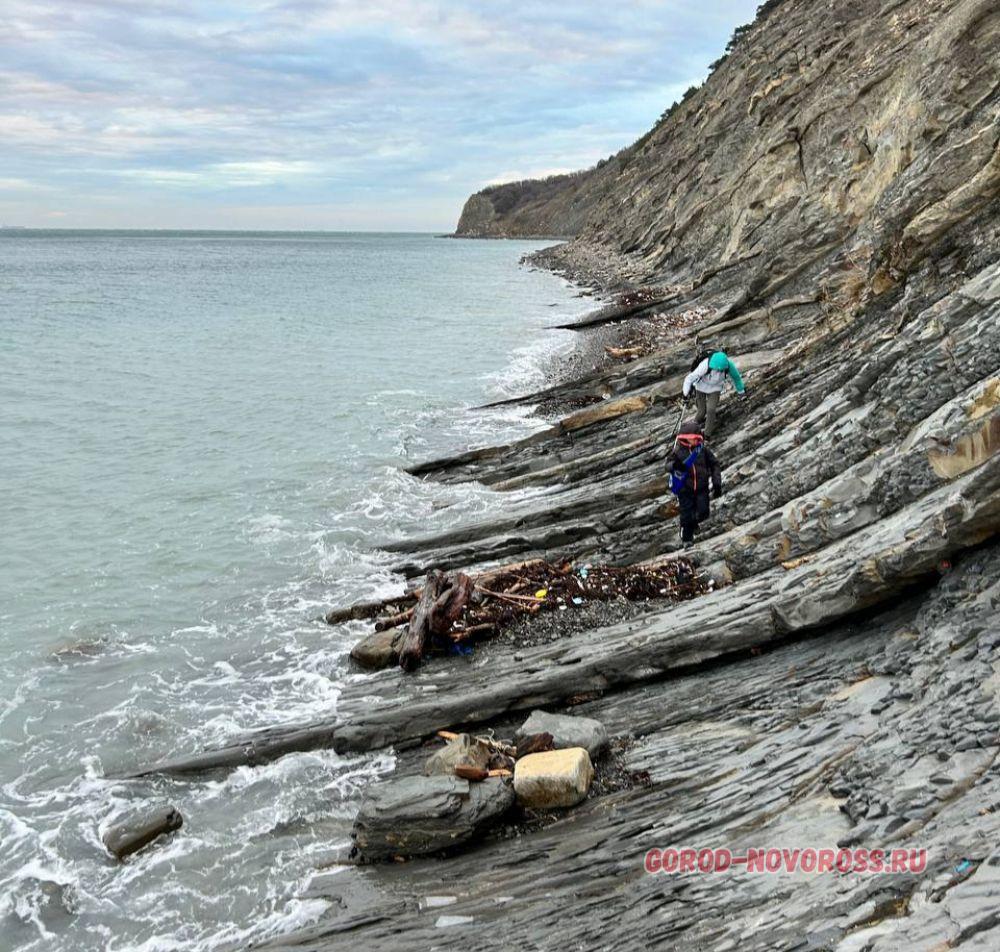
[(842, 137), (839, 140)]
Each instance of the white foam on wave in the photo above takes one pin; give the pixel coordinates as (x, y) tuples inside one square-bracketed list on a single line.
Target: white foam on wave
[(530, 364)]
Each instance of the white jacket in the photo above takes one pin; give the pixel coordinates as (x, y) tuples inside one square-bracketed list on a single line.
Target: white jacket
[(705, 380)]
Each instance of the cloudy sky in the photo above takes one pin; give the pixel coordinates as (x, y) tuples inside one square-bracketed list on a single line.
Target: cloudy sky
[(324, 114)]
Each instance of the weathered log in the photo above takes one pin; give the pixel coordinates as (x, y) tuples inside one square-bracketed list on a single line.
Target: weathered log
[(369, 609), (419, 629), (461, 634), (450, 605), (617, 312), (393, 621), (535, 744), (133, 834), (623, 352), (441, 604)]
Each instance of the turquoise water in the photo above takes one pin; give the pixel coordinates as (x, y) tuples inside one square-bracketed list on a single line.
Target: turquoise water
[(200, 442)]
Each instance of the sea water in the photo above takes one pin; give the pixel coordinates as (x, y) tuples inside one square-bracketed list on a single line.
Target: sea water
[(202, 438)]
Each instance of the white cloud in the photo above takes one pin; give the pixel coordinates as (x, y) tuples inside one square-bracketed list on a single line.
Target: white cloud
[(22, 185), (249, 174), (331, 102)]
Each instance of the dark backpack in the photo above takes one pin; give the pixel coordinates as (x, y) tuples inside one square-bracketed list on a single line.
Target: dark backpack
[(704, 355)]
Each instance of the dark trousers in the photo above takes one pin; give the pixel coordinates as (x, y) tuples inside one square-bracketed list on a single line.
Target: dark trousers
[(707, 404), (695, 508)]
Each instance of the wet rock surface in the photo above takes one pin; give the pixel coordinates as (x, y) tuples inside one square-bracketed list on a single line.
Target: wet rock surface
[(138, 831), (378, 650), (412, 816), (777, 749)]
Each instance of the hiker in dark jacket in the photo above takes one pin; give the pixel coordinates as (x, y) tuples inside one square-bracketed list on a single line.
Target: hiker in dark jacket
[(693, 467)]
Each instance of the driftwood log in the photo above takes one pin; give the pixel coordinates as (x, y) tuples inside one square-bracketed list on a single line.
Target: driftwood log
[(368, 609), (535, 744), (400, 607), (442, 601)]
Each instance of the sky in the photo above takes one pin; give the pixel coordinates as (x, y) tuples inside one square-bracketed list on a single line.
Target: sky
[(380, 115)]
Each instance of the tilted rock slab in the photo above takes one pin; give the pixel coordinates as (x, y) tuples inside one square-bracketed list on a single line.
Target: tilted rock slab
[(411, 816)]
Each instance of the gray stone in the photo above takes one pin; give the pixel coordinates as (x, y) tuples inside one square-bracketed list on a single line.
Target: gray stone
[(566, 731), (379, 650), (411, 816), (131, 835)]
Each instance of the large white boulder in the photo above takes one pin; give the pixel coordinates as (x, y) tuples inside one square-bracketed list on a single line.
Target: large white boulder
[(555, 778)]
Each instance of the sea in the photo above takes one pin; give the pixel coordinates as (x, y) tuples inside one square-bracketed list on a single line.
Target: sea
[(203, 438)]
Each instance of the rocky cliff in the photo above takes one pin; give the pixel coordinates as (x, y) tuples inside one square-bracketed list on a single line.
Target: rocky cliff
[(555, 207), (852, 133), (825, 209)]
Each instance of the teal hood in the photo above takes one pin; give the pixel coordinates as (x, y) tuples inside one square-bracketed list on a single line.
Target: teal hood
[(718, 361)]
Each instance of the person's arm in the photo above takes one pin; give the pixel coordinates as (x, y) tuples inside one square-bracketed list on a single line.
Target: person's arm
[(734, 374), (697, 374), (715, 471)]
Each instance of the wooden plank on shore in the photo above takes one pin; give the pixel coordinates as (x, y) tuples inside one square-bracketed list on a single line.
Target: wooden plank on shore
[(605, 411), (615, 312)]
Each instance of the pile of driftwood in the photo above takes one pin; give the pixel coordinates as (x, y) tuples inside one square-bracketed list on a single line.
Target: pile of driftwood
[(458, 608), (502, 756), (642, 296), (657, 332)]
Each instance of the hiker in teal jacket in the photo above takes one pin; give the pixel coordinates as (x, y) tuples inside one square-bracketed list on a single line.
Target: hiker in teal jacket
[(707, 379)]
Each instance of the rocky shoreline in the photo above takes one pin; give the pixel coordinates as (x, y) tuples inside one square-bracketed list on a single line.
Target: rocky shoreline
[(826, 209), (857, 609), (839, 689)]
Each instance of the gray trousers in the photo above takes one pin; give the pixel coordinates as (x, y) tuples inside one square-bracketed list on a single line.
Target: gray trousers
[(707, 405)]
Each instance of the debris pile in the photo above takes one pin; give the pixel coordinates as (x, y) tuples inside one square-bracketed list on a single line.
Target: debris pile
[(472, 782), (658, 331), (449, 612), (645, 295)]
